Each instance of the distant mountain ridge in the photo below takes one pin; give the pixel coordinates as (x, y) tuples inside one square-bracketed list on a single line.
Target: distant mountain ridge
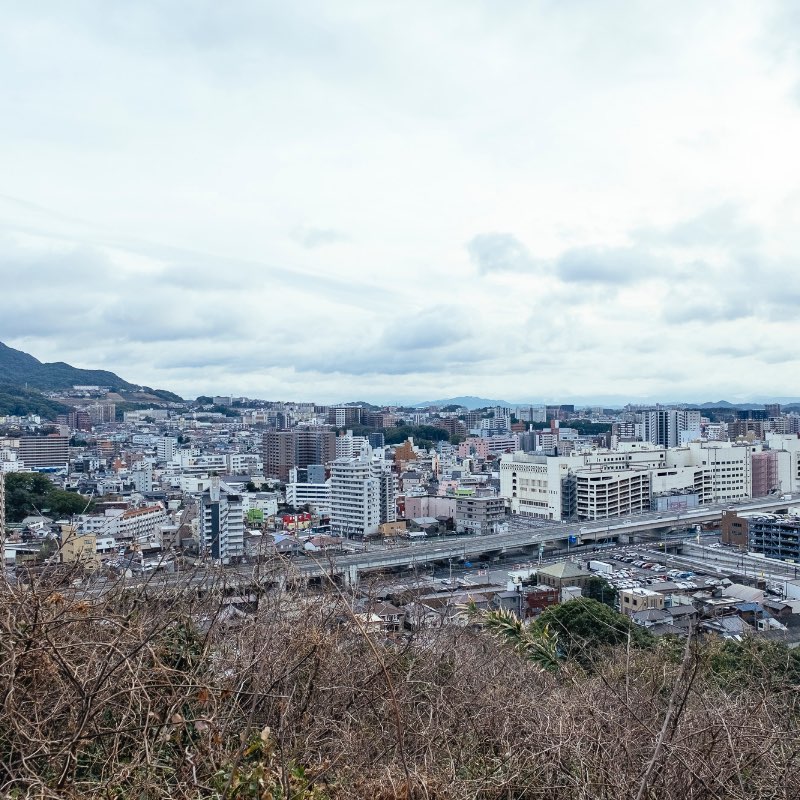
[(468, 401), (22, 369)]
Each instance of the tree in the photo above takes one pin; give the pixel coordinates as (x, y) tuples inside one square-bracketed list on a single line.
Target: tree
[(537, 646), (31, 493), (63, 503), (600, 589), (584, 626)]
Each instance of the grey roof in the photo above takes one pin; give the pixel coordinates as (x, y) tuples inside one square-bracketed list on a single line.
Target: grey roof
[(681, 611), (651, 615), (563, 569)]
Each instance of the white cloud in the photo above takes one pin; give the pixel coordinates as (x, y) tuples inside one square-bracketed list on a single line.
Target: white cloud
[(404, 200)]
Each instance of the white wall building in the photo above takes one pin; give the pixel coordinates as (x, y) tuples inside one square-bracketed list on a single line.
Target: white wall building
[(140, 526), (221, 523), (316, 495), (355, 496), (266, 502), (166, 447)]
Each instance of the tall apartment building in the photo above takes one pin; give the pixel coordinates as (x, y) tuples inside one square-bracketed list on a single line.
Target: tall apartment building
[(314, 446), (789, 476), (44, 451), (221, 522), (355, 497), (102, 413), (664, 426), (766, 473), (77, 419), (340, 416), (166, 447), (299, 447), (279, 454), (142, 477), (386, 488), (349, 446)]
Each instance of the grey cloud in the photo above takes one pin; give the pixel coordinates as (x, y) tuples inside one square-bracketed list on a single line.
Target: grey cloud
[(607, 265), (722, 225), (434, 328), (779, 356), (733, 351), (724, 310), (499, 252), (311, 238)]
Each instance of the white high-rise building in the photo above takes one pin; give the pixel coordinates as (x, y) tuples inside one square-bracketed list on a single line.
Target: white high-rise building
[(221, 522), (166, 447), (355, 496), (670, 427), (349, 446)]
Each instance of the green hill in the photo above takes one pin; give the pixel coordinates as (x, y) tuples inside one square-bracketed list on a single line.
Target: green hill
[(21, 369), (19, 402)]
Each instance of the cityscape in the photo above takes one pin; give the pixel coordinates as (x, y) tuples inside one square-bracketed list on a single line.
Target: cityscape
[(228, 482), (399, 401)]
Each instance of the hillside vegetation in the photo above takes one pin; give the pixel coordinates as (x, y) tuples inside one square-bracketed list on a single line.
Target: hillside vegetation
[(147, 695), (21, 369), (20, 402)]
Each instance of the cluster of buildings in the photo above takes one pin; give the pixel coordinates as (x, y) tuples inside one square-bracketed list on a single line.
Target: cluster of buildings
[(215, 479)]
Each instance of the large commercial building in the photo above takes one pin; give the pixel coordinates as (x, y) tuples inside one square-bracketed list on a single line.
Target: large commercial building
[(538, 485), (638, 476), (775, 535), (140, 526), (37, 452), (606, 493)]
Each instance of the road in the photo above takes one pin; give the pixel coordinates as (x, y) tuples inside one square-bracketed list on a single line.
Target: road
[(522, 534), (519, 537)]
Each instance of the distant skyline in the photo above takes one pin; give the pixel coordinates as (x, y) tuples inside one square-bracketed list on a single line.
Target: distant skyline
[(393, 202)]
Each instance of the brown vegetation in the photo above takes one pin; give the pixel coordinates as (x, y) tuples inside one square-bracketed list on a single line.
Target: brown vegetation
[(140, 693)]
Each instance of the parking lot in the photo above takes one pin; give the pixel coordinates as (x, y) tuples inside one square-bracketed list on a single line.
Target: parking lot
[(637, 568)]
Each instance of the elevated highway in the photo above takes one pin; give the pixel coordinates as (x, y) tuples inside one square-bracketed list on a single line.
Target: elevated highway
[(524, 537)]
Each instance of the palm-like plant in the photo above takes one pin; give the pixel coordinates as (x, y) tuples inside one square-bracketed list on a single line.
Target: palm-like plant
[(538, 647)]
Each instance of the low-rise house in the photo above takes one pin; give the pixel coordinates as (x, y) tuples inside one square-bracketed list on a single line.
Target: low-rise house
[(385, 615), (638, 599), (562, 574), (439, 610), (538, 598), (650, 617), (729, 627), (283, 544), (323, 543)]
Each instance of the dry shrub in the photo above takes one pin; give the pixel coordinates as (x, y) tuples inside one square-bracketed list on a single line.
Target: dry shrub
[(144, 692)]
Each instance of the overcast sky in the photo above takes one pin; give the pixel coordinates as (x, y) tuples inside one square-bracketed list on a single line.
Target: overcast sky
[(405, 201)]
